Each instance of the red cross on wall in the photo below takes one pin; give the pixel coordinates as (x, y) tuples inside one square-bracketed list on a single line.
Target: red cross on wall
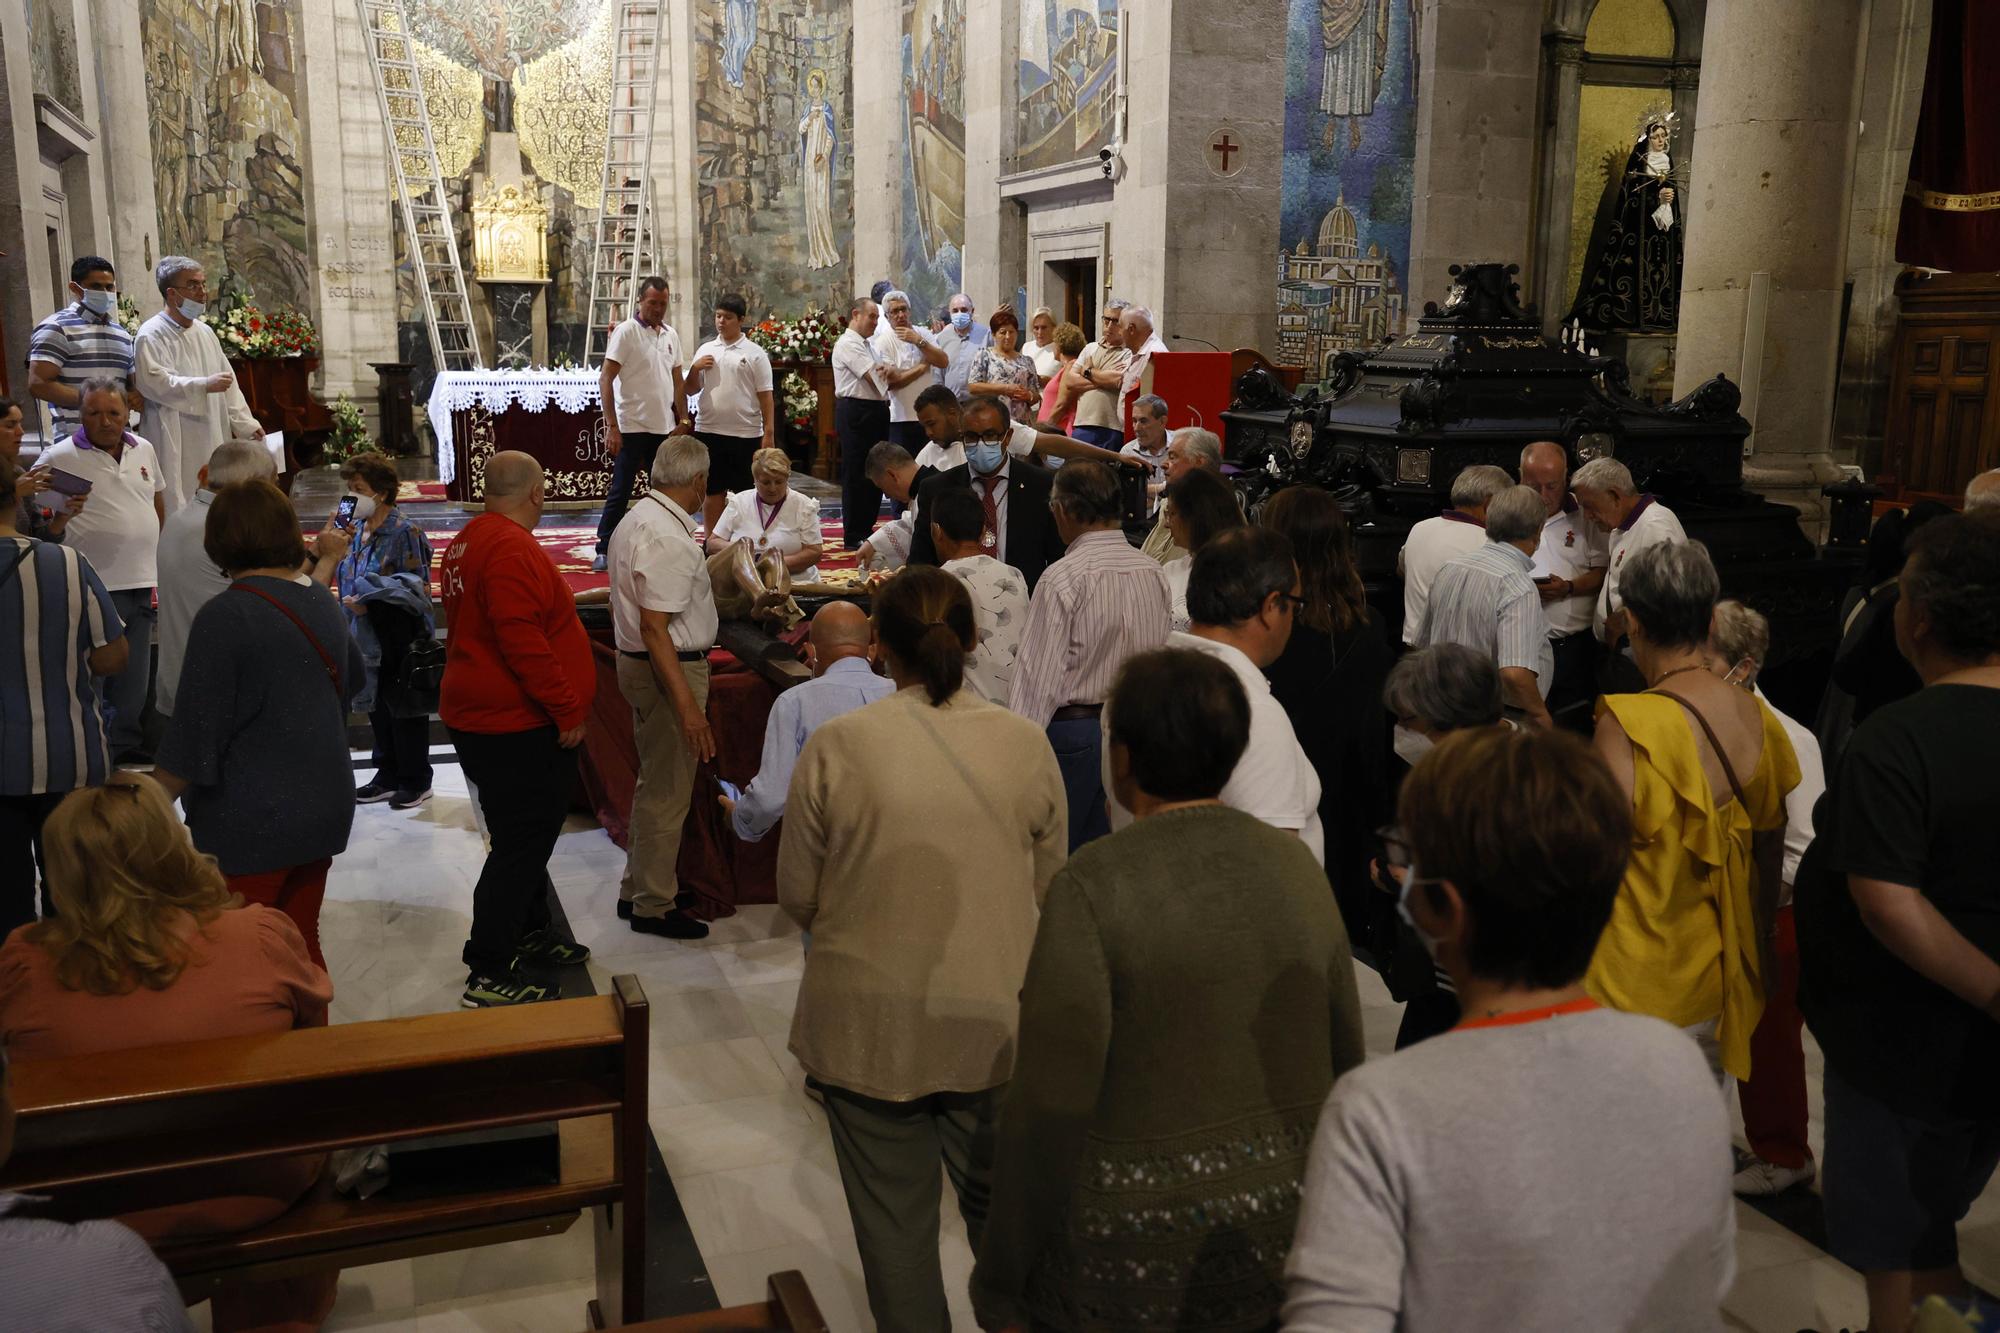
[(1223, 146)]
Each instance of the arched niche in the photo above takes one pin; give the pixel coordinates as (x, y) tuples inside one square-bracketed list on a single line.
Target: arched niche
[(1607, 62)]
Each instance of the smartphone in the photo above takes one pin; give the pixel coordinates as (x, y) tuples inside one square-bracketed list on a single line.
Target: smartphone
[(67, 482), (1544, 579), (730, 789), (343, 516)]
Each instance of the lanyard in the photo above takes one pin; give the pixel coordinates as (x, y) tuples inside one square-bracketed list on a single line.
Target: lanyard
[(655, 498), (773, 518)]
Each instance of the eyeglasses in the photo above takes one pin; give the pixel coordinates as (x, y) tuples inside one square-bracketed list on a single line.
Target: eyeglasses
[(1296, 602)]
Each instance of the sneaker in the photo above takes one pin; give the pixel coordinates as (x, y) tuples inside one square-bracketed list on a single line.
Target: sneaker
[(373, 792), (1761, 1179), (543, 947), (498, 992), (409, 800), (597, 564), (675, 925)]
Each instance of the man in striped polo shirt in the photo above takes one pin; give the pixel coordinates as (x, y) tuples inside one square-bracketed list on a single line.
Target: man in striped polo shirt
[(81, 341)]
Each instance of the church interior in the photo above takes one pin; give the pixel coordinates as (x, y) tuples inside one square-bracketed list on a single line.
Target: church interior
[(1744, 251)]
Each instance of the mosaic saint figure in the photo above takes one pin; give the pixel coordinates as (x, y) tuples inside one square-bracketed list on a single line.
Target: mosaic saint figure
[(1354, 35), (739, 34), (819, 141), (1632, 269)]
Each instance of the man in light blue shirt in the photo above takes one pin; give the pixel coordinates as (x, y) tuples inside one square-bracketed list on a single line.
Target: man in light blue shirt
[(1486, 599), (841, 651), (960, 339)]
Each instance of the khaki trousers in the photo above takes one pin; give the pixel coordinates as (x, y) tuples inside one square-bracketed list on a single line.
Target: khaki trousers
[(665, 786)]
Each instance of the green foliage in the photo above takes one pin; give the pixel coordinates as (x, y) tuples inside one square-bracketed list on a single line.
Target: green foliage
[(350, 432)]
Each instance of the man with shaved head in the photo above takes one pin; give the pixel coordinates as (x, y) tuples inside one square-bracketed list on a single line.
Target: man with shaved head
[(518, 681), (842, 652), (1983, 492)]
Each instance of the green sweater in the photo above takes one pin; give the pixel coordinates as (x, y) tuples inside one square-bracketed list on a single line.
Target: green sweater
[(1189, 1002)]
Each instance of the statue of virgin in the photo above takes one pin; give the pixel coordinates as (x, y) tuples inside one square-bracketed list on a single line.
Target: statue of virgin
[(1632, 270)]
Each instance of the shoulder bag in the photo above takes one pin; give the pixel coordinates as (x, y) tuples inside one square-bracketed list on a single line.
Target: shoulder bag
[(326, 658)]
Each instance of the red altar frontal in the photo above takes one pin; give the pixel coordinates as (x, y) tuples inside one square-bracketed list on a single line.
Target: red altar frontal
[(553, 416)]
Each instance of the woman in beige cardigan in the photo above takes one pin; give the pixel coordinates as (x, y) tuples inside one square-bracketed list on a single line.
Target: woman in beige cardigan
[(920, 834)]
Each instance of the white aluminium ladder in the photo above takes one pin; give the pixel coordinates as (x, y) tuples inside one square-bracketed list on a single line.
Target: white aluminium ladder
[(625, 243), (427, 221)]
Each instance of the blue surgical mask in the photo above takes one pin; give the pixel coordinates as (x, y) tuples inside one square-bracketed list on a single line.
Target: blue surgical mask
[(102, 303), (985, 456), (192, 309), (1410, 880), (961, 320)]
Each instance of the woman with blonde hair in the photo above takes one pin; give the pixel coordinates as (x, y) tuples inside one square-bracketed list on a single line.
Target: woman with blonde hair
[(774, 516), (148, 947), (1058, 397)]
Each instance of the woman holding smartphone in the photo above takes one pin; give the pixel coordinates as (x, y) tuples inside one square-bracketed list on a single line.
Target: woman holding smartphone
[(379, 564)]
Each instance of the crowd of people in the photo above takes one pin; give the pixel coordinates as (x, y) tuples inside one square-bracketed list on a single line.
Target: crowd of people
[(1088, 821)]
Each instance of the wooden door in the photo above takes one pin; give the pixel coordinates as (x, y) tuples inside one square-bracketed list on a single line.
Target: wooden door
[(1944, 411)]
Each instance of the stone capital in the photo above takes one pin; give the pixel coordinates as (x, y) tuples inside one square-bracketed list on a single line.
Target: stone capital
[(1564, 49)]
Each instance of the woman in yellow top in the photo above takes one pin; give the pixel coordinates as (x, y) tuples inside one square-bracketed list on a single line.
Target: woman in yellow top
[(1707, 767)]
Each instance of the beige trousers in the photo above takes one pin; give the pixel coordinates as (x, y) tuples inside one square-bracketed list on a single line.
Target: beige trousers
[(665, 786)]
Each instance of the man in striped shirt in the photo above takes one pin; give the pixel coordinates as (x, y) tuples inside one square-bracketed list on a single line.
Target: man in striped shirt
[(81, 341), (1486, 600), (1098, 605)]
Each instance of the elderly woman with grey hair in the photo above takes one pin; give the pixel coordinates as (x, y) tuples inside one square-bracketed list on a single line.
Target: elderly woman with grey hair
[(1431, 692), (1707, 768)]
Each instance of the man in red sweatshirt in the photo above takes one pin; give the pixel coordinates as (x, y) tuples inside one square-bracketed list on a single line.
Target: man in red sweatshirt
[(518, 681)]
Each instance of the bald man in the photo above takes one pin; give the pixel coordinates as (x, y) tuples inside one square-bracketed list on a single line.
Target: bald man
[(842, 654), (1983, 492), (518, 682)]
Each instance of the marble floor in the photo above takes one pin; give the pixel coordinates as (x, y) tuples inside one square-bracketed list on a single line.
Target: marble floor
[(747, 1151)]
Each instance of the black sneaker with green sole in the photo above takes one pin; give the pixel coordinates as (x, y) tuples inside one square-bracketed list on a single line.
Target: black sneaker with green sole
[(498, 992), (543, 947)]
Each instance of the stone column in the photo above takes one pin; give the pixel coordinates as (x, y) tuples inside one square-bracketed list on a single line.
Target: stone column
[(127, 150), (1476, 134), (676, 178), (1772, 189), (996, 230), (26, 290), (878, 143), (1551, 282)]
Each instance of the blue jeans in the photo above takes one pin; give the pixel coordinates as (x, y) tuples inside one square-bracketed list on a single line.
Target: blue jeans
[(1079, 747), (1104, 437), (635, 460), (126, 693)]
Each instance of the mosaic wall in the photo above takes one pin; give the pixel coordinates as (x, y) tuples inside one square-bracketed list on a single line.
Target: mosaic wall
[(933, 59), (1350, 155), (1068, 80), (227, 172), (774, 129)]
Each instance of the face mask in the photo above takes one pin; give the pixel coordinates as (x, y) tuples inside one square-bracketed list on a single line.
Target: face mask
[(102, 303), (985, 456), (1411, 745), (191, 310), (961, 320), (1410, 881), (364, 508)]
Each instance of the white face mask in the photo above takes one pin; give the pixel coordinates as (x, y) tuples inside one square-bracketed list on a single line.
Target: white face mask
[(1411, 745), (364, 508), (191, 310), (1410, 880)]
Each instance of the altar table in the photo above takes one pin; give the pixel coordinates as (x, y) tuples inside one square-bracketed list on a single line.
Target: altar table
[(551, 415)]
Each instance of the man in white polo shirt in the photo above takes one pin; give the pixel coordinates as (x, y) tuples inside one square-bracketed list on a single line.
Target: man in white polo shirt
[(1631, 521), (737, 412), (911, 360), (664, 622), (1569, 569), (1457, 531), (643, 396), (118, 531)]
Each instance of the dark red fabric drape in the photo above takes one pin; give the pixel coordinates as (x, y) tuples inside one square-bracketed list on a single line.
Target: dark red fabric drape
[(1951, 207)]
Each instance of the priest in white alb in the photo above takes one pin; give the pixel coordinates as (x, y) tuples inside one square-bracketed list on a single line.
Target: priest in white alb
[(192, 402)]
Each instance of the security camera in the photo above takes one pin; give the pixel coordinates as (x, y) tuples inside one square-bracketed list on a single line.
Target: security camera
[(1104, 155)]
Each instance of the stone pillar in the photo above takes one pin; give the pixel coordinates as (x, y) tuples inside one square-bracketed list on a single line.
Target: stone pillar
[(877, 80), (127, 150), (1565, 94), (676, 178), (27, 291), (1892, 86), (996, 231), (1772, 189), (1476, 134)]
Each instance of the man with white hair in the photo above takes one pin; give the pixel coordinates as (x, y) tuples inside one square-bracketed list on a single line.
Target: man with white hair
[(1432, 542), (1149, 444), (911, 360), (1487, 601), (960, 339), (1137, 326), (1605, 491), (193, 402), (1569, 569), (1096, 375), (1983, 492), (188, 578), (1188, 448)]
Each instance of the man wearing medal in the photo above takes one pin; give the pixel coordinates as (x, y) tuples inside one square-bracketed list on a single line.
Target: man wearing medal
[(663, 615)]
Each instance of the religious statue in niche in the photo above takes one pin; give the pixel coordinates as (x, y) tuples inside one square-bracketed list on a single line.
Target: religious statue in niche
[(1354, 40), (739, 34), (1632, 269), (818, 142)]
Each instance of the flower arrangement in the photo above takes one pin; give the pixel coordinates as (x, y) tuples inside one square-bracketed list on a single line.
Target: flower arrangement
[(128, 313), (810, 337), (350, 433), (249, 332), (801, 402)]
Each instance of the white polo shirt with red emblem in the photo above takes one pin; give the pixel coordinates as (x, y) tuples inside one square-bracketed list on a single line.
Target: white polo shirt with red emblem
[(1571, 546), (119, 529)]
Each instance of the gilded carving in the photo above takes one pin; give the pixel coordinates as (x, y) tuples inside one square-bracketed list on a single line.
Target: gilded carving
[(510, 235)]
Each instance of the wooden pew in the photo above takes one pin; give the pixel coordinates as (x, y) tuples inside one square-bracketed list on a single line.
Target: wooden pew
[(106, 1135), (791, 1307)]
